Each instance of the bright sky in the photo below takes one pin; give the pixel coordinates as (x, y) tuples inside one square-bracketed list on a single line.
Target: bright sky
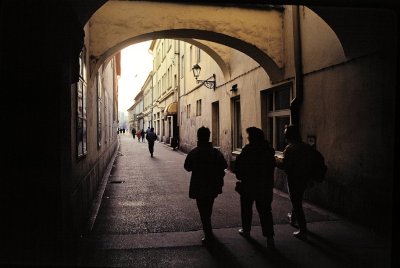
[(136, 64)]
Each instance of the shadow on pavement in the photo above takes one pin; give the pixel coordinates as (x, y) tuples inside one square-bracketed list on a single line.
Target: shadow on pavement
[(223, 256), (272, 255), (334, 251)]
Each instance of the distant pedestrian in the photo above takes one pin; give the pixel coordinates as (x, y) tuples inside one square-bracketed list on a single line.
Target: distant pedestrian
[(138, 135), (254, 167), (151, 137), (142, 134), (133, 133), (294, 164), (207, 165)]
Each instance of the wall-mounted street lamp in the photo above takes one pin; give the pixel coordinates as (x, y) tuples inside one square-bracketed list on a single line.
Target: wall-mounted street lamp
[(208, 83)]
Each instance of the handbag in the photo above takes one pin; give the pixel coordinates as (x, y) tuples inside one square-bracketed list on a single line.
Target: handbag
[(239, 187)]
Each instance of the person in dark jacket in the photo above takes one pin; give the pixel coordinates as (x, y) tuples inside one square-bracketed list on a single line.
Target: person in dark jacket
[(294, 165), (207, 165), (133, 133), (254, 168), (151, 137), (142, 135)]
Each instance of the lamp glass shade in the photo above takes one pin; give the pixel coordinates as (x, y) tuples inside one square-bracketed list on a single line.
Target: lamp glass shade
[(196, 70)]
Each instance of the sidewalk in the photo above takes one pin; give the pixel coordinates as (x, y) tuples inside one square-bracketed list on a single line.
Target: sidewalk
[(332, 242)]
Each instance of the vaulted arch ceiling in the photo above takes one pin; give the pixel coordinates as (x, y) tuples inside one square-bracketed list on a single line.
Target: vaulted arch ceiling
[(357, 24), (120, 23)]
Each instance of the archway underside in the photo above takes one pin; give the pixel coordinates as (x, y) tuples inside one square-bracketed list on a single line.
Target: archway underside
[(117, 25)]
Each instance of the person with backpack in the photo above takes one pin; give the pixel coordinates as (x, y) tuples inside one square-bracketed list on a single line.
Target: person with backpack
[(207, 165), (296, 166)]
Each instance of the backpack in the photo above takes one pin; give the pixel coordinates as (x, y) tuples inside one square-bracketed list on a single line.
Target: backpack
[(316, 165)]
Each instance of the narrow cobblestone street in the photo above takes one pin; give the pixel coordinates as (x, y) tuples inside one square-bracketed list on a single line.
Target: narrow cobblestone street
[(146, 219)]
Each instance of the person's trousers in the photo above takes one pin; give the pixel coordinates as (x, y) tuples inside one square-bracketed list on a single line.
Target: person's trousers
[(296, 197), (205, 207), (151, 147), (263, 206)]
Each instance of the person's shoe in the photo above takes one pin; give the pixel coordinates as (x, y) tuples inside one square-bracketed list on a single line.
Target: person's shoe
[(208, 240), (244, 233), (292, 221), (270, 243), (151, 154), (300, 235)]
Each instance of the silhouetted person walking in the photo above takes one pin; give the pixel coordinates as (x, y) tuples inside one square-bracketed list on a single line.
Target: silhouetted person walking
[(294, 164), (142, 134), (254, 167), (133, 133), (151, 137), (207, 165)]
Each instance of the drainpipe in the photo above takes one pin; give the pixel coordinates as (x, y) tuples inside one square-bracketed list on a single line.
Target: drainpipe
[(152, 98), (297, 101), (178, 109)]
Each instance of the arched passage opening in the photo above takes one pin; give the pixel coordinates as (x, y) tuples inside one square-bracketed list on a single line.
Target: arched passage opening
[(346, 44), (346, 104), (190, 36)]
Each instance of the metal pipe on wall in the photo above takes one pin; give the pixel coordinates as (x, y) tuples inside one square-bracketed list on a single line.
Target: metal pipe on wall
[(296, 103)]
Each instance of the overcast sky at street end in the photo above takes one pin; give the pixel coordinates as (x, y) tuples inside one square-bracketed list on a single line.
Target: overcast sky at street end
[(136, 64)]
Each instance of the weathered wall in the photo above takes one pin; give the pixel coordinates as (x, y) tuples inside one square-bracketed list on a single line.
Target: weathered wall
[(87, 172), (349, 105), (354, 126)]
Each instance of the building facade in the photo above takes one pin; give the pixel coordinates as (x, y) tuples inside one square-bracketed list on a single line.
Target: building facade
[(165, 88)]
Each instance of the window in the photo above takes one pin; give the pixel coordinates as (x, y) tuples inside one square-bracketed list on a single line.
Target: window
[(99, 105), (237, 126), (191, 56), (169, 77), (158, 123), (188, 111), (164, 83), (175, 81), (215, 123), (197, 55), (277, 116), (81, 122), (198, 108), (182, 66), (162, 51), (106, 134)]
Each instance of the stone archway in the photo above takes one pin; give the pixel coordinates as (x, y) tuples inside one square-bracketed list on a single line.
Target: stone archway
[(273, 70), (118, 24)]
